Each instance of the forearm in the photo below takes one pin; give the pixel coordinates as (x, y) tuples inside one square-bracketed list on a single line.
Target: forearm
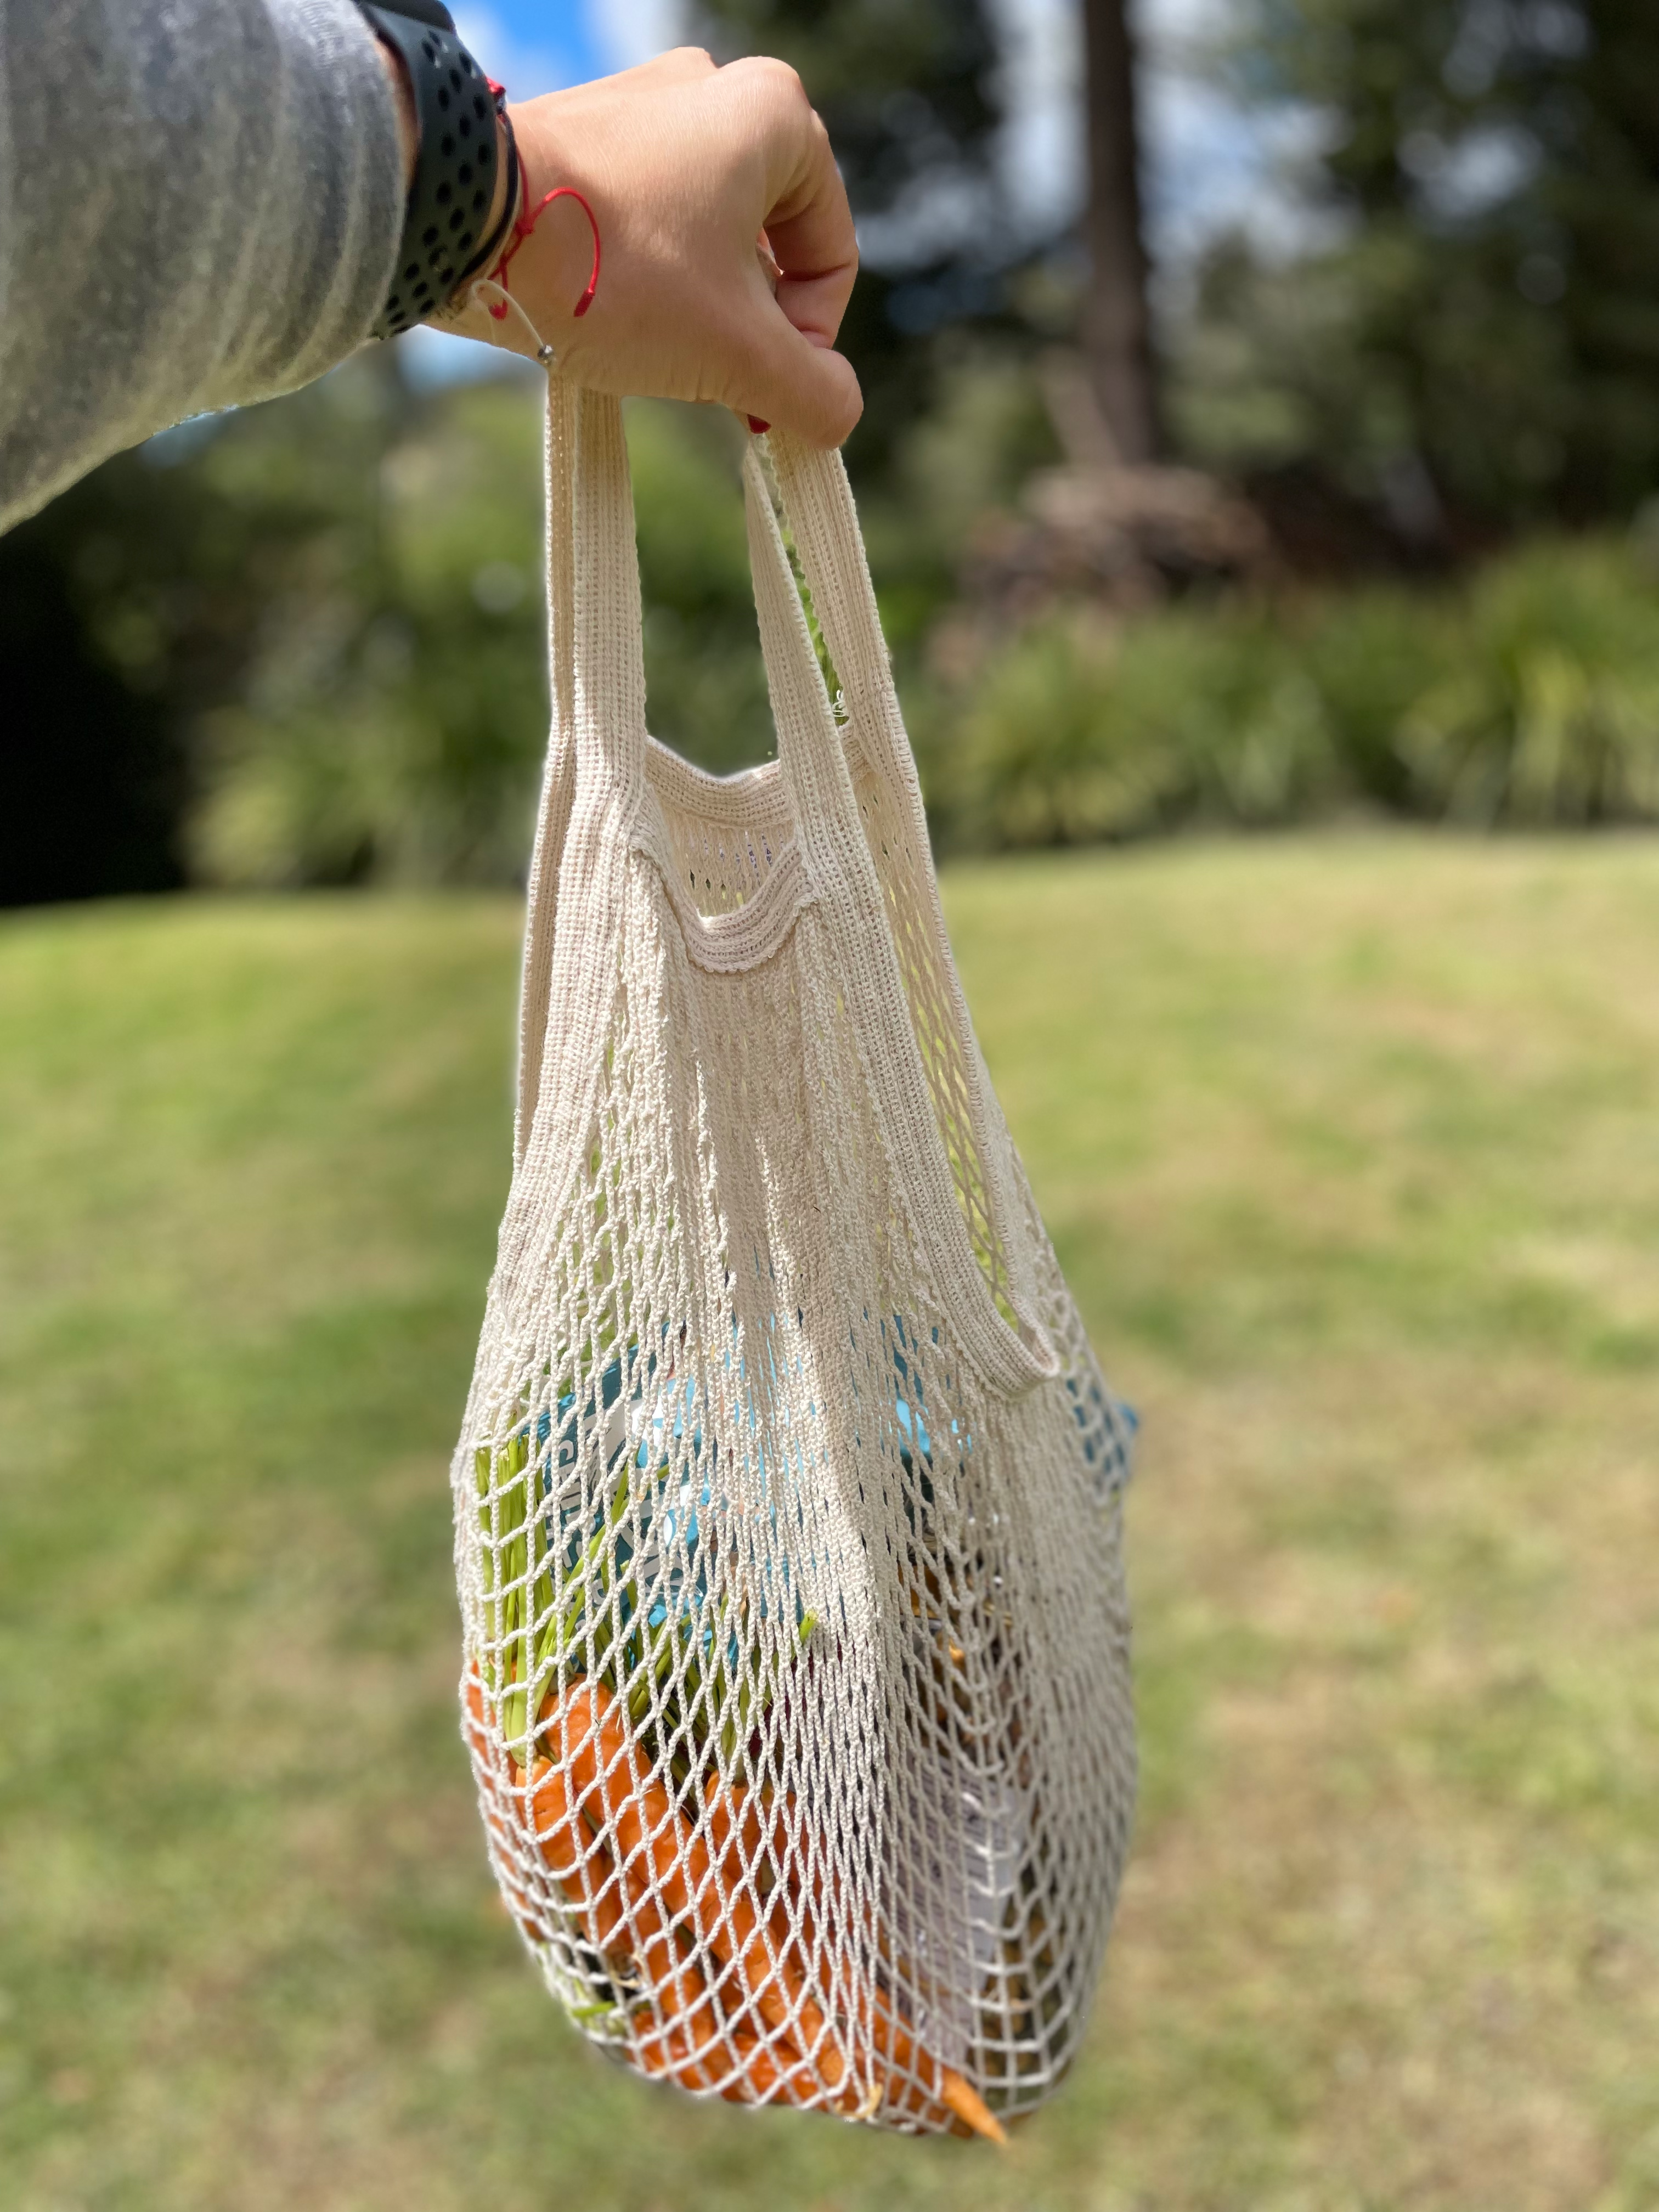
[(200, 202)]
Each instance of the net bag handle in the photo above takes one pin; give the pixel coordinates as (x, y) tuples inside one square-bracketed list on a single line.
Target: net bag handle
[(593, 791), (830, 827), (596, 790), (558, 774)]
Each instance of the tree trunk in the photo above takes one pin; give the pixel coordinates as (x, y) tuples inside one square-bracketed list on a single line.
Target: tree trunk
[(1116, 328)]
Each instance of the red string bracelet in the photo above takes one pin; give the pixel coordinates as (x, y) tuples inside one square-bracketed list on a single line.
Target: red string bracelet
[(524, 224)]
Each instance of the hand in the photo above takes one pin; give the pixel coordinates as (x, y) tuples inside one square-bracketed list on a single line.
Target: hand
[(685, 165)]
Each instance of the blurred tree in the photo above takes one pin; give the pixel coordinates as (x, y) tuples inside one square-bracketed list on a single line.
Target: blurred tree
[(389, 720), (911, 93), (1117, 323), (298, 643), (90, 777), (1484, 332), (907, 90), (129, 608)]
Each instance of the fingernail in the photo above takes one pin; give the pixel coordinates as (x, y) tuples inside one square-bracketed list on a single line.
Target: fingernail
[(759, 428)]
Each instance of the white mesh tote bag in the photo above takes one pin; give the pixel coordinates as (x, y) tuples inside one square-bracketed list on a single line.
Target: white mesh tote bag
[(787, 1503)]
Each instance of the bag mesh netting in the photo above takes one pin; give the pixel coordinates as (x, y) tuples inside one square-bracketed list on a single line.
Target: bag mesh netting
[(788, 1498)]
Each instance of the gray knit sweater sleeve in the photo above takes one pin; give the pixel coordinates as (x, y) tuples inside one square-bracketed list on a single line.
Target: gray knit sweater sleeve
[(200, 202)]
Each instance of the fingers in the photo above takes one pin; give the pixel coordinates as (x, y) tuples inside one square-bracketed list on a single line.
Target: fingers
[(815, 305), (809, 224), (796, 385)]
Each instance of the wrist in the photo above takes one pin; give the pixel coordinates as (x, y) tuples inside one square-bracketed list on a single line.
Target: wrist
[(402, 100), (557, 258), (453, 119), (509, 179)]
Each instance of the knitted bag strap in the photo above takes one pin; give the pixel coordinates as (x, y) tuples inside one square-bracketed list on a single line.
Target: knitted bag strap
[(607, 643), (594, 782), (559, 773), (994, 1309), (596, 788)]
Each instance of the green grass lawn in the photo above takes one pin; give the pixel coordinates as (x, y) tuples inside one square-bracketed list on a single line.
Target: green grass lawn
[(1351, 1148)]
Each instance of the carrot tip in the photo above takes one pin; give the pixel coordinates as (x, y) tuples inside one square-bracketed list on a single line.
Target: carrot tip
[(970, 2107)]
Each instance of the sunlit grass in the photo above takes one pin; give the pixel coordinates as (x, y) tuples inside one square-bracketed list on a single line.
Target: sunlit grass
[(1351, 1149)]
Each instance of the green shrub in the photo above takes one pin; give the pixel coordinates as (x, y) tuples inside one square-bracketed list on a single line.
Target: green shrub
[(1548, 711), (391, 717), (388, 715), (1528, 696), (1075, 734)]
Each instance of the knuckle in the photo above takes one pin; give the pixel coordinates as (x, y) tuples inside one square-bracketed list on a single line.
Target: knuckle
[(776, 79)]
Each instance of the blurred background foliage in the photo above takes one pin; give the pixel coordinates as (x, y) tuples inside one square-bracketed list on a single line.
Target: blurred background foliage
[(1483, 322), (1526, 695), (1394, 551)]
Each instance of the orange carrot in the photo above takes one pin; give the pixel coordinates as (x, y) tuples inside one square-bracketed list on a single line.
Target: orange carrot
[(517, 1901), (581, 1867), (564, 1844), (649, 1830), (732, 1814), (477, 1716), (546, 1811), (593, 1788), (676, 1984), (894, 2043), (734, 1822), (756, 2078), (669, 2054), (739, 1826), (929, 2087)]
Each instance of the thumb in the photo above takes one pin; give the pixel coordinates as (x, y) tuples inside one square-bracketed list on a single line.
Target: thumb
[(793, 384)]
